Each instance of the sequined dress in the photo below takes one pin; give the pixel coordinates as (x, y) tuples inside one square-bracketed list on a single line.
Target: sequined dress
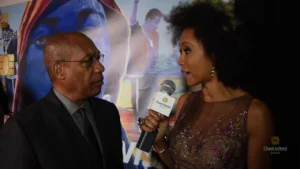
[(210, 135)]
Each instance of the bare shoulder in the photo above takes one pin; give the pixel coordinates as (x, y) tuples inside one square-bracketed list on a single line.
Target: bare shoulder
[(259, 109), (259, 106), (259, 118)]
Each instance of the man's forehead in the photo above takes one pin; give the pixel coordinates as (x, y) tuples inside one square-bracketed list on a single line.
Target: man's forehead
[(77, 42), (89, 50), (92, 52), (85, 44)]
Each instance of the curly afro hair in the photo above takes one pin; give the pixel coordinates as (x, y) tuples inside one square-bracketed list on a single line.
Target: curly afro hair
[(217, 29)]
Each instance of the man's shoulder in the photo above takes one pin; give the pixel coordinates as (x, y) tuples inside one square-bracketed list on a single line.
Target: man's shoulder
[(30, 112), (102, 102), (105, 107)]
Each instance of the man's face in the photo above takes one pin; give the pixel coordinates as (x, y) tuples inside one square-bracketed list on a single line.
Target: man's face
[(153, 24), (75, 15), (83, 72)]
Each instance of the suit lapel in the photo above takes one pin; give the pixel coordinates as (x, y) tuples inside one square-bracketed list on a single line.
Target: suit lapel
[(101, 126), (69, 138)]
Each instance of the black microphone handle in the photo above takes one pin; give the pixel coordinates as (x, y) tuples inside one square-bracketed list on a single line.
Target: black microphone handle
[(146, 140)]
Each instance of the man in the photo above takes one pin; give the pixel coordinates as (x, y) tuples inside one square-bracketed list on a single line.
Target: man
[(101, 20), (141, 69), (144, 40), (68, 127)]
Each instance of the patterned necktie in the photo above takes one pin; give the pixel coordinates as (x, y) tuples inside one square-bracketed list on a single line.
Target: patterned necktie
[(89, 131)]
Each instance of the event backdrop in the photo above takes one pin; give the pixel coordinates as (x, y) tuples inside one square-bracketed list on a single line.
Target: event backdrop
[(131, 34)]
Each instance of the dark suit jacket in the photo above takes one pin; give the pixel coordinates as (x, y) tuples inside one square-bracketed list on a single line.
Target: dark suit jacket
[(44, 136)]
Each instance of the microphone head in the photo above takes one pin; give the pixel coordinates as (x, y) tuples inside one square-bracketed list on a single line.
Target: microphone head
[(168, 86)]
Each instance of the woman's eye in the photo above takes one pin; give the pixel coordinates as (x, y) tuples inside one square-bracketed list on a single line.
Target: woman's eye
[(187, 51)]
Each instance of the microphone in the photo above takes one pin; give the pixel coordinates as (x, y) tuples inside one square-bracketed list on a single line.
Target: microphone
[(162, 102)]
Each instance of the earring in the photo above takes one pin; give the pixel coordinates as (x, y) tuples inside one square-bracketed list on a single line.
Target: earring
[(212, 72)]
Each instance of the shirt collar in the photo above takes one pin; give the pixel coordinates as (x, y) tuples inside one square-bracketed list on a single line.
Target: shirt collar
[(68, 104)]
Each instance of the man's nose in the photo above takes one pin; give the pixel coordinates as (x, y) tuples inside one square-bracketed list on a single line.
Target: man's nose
[(99, 67)]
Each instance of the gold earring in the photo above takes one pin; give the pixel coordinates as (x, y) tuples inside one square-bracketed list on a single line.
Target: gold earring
[(213, 72)]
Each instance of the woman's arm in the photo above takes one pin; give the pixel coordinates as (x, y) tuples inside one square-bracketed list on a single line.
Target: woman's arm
[(260, 129), (160, 146)]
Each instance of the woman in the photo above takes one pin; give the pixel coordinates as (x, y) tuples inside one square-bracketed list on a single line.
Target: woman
[(222, 125)]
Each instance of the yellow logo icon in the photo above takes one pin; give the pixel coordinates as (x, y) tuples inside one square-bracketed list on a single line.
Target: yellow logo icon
[(3, 20), (7, 65), (165, 99), (275, 140)]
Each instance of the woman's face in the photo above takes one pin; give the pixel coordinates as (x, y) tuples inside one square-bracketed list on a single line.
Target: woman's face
[(195, 64)]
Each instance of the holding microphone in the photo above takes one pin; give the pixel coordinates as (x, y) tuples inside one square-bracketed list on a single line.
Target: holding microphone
[(162, 102)]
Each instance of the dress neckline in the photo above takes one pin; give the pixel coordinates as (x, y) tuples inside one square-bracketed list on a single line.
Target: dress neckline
[(224, 101)]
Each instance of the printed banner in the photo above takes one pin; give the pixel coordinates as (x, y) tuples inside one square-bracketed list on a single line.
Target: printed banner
[(132, 34)]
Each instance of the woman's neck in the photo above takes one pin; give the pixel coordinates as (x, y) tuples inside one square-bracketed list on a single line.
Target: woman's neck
[(215, 91)]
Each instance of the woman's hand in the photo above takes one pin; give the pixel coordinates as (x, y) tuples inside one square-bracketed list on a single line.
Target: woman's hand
[(155, 121)]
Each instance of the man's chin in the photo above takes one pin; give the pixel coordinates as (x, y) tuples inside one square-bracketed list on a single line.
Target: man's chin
[(96, 93)]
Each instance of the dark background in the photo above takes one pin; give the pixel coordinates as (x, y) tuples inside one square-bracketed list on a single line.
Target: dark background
[(270, 75)]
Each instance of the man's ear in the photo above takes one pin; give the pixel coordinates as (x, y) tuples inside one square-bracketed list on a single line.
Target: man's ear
[(58, 71)]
